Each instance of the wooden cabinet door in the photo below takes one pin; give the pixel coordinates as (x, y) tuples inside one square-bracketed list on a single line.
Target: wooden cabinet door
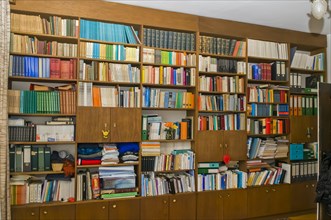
[(209, 205), (124, 209), (63, 212), (182, 206), (280, 199), (155, 208), (303, 196), (91, 121), (258, 201), (125, 124), (312, 128), (299, 126), (235, 204), (24, 213), (100, 210), (235, 144), (210, 147)]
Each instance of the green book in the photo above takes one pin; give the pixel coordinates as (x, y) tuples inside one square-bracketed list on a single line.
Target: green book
[(41, 158), (47, 158), (18, 158), (34, 158), (27, 158), (12, 158), (118, 195)]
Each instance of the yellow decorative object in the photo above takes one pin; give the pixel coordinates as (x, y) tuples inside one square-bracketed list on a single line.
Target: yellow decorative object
[(105, 133)]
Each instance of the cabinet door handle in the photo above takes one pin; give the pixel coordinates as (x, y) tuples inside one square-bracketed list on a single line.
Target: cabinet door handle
[(103, 207), (174, 200), (274, 190), (114, 124), (165, 201), (226, 146), (228, 195), (307, 186), (312, 185), (221, 146), (45, 212), (220, 196), (266, 191), (114, 206), (32, 213)]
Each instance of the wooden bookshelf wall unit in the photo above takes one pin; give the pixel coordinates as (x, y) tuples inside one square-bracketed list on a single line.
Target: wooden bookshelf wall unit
[(307, 69), (128, 80)]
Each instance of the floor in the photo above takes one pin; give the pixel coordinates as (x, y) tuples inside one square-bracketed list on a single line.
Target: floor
[(304, 217)]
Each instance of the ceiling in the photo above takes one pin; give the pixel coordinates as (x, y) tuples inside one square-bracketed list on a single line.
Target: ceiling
[(288, 14)]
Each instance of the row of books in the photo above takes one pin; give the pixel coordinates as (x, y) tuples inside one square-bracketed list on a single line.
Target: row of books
[(303, 170), (222, 122), (160, 98), (52, 25), (303, 105), (153, 128), (304, 60), (230, 179), (307, 151), (268, 148), (225, 102), (267, 71), (29, 132), (41, 102), (177, 160), (27, 158), (211, 64), (168, 75), (270, 176), (52, 188), (267, 110), (33, 45), (268, 126), (222, 46), (108, 72), (39, 67), (90, 95), (267, 49), (222, 84), (153, 184), (304, 83), (169, 39), (22, 133), (108, 52), (266, 93), (97, 30), (168, 57)]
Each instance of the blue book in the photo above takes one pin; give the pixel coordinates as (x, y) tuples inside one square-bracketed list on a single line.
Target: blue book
[(166, 99), (36, 67), (26, 66)]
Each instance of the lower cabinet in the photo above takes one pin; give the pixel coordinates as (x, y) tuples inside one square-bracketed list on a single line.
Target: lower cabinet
[(268, 200), (124, 209), (84, 210), (63, 212), (303, 196), (24, 213), (229, 204), (180, 206), (47, 212)]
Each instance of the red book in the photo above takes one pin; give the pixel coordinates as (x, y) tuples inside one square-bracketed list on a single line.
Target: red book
[(55, 68), (65, 69)]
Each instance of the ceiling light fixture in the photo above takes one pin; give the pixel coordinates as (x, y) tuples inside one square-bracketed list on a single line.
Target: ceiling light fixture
[(318, 8)]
